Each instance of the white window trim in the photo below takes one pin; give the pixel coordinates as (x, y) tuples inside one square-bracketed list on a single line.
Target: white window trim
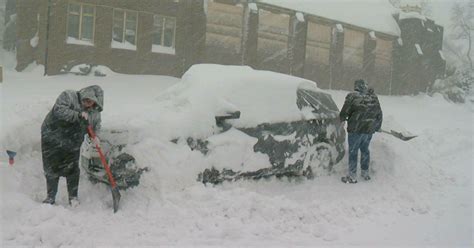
[(155, 48), (80, 41), (162, 49), (124, 44)]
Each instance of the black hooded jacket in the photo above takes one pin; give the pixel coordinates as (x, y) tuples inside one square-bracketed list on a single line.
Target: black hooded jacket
[(62, 131), (362, 110)]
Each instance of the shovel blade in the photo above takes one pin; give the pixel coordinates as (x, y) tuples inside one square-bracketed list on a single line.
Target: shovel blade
[(115, 198), (401, 136)]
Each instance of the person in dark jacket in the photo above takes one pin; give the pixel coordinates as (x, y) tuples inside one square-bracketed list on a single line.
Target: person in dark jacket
[(363, 114), (62, 133)]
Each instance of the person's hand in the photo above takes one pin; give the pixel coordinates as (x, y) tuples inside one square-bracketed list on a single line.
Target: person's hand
[(85, 116)]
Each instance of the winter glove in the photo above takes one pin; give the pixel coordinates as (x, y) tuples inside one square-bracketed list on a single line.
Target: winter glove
[(84, 119), (84, 115)]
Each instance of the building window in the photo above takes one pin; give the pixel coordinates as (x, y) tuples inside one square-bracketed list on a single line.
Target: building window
[(164, 29), (80, 24), (124, 33)]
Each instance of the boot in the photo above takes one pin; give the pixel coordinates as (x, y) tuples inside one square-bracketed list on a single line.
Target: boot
[(73, 202), (348, 179), (49, 200), (52, 189), (365, 175)]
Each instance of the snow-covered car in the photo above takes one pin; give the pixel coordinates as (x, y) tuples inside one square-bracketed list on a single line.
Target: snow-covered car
[(288, 119)]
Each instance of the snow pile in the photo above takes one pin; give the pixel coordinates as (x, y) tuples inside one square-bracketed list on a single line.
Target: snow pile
[(420, 193), (376, 15), (458, 87), (90, 70)]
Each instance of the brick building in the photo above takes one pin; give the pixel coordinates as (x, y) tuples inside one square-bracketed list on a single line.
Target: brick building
[(397, 53)]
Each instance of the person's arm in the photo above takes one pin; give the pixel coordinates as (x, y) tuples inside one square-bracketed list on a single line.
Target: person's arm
[(345, 111), (97, 124), (379, 116), (62, 110)]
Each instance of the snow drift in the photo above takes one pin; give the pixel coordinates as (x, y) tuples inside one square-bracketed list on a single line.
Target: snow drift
[(421, 192)]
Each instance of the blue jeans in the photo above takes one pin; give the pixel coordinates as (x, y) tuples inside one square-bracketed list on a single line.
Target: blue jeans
[(359, 141)]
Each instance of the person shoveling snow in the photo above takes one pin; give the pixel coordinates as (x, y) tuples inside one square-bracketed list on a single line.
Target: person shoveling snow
[(363, 114), (62, 133)]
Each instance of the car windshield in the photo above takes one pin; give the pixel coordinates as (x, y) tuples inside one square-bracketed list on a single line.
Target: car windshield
[(319, 101)]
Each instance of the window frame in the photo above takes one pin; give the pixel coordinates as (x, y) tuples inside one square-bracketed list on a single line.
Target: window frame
[(124, 25), (163, 28), (81, 14)]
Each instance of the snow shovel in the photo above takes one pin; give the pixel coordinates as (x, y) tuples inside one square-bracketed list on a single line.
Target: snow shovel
[(398, 135), (113, 185)]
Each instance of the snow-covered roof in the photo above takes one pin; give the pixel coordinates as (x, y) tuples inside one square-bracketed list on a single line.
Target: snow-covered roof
[(376, 15), (208, 90)]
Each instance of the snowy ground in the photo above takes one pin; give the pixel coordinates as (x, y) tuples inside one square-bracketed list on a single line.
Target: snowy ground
[(421, 192)]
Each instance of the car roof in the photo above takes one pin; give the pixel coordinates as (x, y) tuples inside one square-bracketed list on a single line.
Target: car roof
[(260, 96)]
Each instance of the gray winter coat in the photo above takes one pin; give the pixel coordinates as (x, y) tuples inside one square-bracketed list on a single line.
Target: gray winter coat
[(63, 131)]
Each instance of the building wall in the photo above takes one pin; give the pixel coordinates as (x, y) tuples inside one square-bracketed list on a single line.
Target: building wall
[(317, 54), (383, 66), (140, 61), (353, 57), (419, 61), (224, 30), (27, 26), (263, 36), (273, 34)]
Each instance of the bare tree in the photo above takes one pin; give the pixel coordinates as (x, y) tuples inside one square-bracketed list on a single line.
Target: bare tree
[(462, 17)]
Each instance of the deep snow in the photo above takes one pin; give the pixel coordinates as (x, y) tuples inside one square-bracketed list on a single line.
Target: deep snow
[(421, 192)]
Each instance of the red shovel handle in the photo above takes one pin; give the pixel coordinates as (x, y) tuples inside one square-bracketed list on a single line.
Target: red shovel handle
[(91, 133)]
